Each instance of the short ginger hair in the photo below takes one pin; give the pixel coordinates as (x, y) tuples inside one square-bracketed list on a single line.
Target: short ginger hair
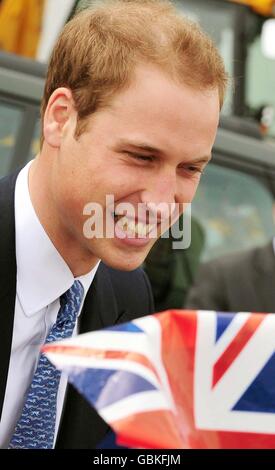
[(96, 53)]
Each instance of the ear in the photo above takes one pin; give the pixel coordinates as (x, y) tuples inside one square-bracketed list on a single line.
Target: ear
[(59, 111)]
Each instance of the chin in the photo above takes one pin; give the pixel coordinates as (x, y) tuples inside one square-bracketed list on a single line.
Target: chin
[(123, 265), (121, 258)]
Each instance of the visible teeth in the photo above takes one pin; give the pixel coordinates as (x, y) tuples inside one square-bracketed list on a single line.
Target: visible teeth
[(132, 228), (141, 229)]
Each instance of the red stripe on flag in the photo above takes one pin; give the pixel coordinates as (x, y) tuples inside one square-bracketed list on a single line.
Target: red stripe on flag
[(236, 346), (156, 429)]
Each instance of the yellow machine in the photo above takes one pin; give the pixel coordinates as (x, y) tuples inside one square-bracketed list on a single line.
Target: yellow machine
[(20, 26), (263, 7)]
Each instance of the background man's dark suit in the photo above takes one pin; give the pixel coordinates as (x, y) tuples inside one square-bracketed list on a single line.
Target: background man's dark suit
[(114, 297), (241, 282)]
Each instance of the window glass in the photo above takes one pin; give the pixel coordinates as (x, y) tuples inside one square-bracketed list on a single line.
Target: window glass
[(35, 143), (260, 81), (234, 210), (10, 121)]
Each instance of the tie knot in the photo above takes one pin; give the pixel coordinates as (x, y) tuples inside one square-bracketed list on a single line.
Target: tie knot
[(70, 303)]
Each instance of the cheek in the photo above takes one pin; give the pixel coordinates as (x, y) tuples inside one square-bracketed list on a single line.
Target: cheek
[(69, 205), (195, 187), (71, 194), (188, 190)]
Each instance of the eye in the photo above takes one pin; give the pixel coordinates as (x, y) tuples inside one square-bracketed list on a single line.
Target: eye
[(192, 170), (144, 158), (195, 169)]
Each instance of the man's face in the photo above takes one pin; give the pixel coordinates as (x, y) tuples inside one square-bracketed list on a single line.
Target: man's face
[(147, 147)]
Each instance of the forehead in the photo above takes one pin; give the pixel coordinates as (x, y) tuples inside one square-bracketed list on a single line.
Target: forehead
[(150, 79), (153, 106)]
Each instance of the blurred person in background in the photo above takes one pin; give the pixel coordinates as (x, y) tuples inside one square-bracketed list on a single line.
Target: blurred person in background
[(242, 281)]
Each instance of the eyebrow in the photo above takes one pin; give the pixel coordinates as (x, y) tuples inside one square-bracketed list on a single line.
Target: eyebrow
[(150, 148), (202, 160), (141, 146)]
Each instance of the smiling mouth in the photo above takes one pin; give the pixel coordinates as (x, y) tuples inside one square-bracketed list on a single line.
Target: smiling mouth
[(132, 228)]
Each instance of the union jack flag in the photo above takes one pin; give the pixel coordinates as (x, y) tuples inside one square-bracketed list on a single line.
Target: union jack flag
[(179, 379)]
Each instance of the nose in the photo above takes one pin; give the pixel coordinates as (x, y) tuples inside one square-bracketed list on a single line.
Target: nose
[(161, 195)]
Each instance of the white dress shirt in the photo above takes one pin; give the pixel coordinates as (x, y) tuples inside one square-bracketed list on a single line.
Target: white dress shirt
[(42, 277)]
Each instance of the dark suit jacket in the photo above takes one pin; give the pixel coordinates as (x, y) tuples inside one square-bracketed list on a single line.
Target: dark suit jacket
[(241, 282), (114, 297)]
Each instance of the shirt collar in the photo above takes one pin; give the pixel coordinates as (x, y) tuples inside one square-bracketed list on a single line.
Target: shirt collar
[(42, 274)]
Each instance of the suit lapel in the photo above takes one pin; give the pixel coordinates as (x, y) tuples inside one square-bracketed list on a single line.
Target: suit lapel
[(264, 277), (7, 276)]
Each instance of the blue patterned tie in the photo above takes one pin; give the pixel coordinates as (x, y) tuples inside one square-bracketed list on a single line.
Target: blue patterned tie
[(36, 426)]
